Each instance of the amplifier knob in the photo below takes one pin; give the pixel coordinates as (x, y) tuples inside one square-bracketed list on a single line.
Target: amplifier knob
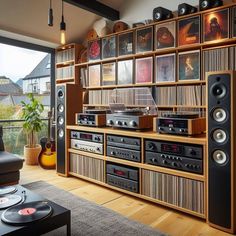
[(110, 122), (154, 160), (122, 140), (174, 164), (171, 129), (133, 123), (160, 128), (181, 130), (163, 156), (124, 123), (165, 162), (118, 122), (113, 153), (151, 146), (192, 152), (98, 149), (97, 138)]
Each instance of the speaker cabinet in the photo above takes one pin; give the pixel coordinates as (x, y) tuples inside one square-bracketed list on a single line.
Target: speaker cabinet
[(185, 9), (160, 13), (221, 111), (68, 102), (207, 4)]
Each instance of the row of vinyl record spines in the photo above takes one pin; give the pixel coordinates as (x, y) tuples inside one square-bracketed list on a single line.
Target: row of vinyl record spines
[(65, 72), (65, 55)]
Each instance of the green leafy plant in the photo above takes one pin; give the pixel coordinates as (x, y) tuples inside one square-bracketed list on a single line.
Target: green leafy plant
[(31, 113)]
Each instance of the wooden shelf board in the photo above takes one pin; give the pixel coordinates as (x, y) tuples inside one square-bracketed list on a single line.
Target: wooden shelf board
[(65, 63), (87, 178), (65, 80)]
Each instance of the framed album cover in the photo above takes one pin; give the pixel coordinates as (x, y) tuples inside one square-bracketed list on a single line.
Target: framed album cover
[(125, 72), (94, 75), (109, 47), (189, 31), (94, 50), (165, 35), (126, 44), (216, 25), (144, 70), (144, 40), (165, 68), (189, 65), (109, 73), (233, 22)]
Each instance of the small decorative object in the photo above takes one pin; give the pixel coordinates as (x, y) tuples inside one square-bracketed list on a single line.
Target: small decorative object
[(125, 72), (109, 73), (165, 68), (120, 26), (189, 31), (216, 25), (109, 47), (189, 65), (165, 35), (144, 70), (94, 75), (91, 35), (94, 50), (102, 27), (234, 22), (31, 114), (144, 40), (125, 44)]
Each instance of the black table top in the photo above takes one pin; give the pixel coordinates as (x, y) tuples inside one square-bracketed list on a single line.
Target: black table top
[(59, 217)]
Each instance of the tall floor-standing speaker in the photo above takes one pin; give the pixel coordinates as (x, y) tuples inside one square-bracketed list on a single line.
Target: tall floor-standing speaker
[(68, 102), (221, 121)]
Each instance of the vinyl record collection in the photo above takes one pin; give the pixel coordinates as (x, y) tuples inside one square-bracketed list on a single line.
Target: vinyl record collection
[(65, 72), (65, 55), (166, 96)]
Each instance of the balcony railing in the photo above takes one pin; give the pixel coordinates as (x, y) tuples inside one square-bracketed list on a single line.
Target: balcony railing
[(14, 138)]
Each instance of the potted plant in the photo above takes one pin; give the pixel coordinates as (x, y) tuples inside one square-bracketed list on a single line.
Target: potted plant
[(31, 113)]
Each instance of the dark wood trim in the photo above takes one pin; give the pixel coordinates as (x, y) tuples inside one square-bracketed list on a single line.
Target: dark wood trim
[(96, 8)]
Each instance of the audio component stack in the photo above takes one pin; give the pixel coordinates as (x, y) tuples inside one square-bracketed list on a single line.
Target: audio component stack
[(180, 124), (130, 119), (179, 156), (123, 177), (122, 147), (221, 113), (67, 106), (92, 117), (87, 142)]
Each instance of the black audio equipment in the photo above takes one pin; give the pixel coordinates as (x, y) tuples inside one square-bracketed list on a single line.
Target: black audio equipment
[(185, 9), (124, 148), (123, 177), (221, 113), (65, 115), (173, 155), (207, 4), (181, 124), (87, 136), (160, 13), (87, 146)]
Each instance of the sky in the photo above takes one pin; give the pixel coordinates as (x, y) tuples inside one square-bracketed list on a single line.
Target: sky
[(16, 62)]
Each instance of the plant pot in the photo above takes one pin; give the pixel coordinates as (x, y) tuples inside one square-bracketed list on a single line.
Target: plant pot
[(31, 154)]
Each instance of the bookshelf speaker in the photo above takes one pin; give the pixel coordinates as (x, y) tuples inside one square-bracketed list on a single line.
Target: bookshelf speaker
[(221, 111), (160, 13), (68, 102), (185, 9), (207, 4)]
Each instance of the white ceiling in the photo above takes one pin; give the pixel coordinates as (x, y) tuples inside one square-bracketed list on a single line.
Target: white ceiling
[(29, 18)]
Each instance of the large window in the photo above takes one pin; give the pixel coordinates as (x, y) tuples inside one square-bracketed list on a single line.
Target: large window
[(24, 68)]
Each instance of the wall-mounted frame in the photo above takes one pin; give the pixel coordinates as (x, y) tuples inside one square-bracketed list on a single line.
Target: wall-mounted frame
[(94, 50), (144, 70), (125, 72), (126, 43), (165, 35), (144, 39), (109, 73), (216, 25), (189, 31), (165, 68), (94, 74), (189, 65), (109, 47)]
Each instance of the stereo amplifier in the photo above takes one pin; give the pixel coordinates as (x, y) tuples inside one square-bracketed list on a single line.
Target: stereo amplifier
[(173, 155), (87, 136), (124, 142), (96, 120), (87, 146)]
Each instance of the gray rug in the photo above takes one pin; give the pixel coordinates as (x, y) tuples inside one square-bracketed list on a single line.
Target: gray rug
[(89, 218)]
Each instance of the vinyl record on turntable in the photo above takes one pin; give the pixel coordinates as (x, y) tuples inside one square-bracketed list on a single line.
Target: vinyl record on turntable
[(7, 190), (9, 200), (26, 213)]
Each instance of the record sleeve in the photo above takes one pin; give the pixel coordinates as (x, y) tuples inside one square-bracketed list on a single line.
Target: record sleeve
[(109, 47), (144, 70), (144, 40), (109, 73), (125, 72), (125, 44), (94, 50), (94, 75)]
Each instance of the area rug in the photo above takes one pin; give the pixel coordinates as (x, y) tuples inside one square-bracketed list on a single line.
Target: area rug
[(89, 218)]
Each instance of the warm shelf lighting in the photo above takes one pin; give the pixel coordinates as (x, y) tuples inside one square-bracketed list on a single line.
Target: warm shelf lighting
[(62, 25)]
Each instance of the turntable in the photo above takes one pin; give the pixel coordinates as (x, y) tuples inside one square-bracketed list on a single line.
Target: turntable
[(92, 117)]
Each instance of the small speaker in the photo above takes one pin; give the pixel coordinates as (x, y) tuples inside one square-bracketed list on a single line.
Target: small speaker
[(160, 13), (221, 113), (68, 102), (185, 9), (207, 4)]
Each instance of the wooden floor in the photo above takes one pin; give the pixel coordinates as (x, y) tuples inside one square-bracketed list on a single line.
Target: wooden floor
[(164, 219)]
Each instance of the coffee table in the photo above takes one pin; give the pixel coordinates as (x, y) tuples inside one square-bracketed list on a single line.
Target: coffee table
[(59, 217)]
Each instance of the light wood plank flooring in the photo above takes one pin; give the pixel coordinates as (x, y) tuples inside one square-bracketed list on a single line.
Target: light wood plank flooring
[(164, 219)]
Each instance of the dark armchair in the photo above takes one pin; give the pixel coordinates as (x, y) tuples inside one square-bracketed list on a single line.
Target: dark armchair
[(10, 165)]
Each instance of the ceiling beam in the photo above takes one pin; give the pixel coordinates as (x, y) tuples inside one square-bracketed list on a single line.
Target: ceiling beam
[(96, 8)]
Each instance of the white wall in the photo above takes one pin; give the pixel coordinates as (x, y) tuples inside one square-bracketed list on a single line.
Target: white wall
[(138, 10)]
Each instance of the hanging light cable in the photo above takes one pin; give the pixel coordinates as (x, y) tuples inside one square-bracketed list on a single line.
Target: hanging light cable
[(62, 25), (50, 14)]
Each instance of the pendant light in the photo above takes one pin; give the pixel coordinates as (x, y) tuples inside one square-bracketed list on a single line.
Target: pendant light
[(50, 14), (62, 25)]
